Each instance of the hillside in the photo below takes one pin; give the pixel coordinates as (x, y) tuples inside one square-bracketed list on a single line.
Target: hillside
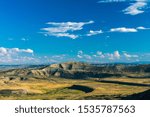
[(75, 80), (79, 70)]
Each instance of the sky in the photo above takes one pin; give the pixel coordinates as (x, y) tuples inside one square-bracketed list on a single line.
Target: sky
[(97, 31)]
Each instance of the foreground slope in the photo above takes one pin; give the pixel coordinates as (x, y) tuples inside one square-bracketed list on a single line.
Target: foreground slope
[(75, 80)]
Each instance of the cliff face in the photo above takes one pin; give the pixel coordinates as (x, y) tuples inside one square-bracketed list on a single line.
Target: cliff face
[(81, 70)]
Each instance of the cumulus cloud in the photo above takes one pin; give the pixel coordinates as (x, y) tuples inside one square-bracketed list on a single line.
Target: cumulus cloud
[(15, 55), (64, 29), (82, 55), (10, 51), (99, 53), (91, 32), (117, 54), (123, 29), (107, 57), (3, 51), (99, 56), (142, 28), (136, 8), (128, 56), (26, 51), (79, 56), (113, 56), (60, 57)]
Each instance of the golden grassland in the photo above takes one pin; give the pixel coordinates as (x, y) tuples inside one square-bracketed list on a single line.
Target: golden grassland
[(57, 88)]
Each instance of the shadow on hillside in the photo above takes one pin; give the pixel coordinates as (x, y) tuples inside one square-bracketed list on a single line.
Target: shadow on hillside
[(139, 96), (138, 77), (8, 92), (85, 89), (124, 83), (5, 92)]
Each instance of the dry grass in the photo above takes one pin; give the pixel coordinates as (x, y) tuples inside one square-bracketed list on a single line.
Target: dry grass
[(56, 88)]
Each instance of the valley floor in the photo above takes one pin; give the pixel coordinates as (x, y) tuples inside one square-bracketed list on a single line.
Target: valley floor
[(69, 89)]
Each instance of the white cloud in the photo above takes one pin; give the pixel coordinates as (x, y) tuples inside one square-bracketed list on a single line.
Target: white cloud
[(66, 35), (15, 55), (87, 56), (80, 52), (102, 56), (64, 29), (113, 56), (99, 56), (123, 29), (128, 56), (110, 1), (108, 57), (136, 8), (3, 51), (61, 56), (27, 51), (99, 53), (24, 39), (117, 54), (91, 32), (81, 55), (14, 51), (142, 28)]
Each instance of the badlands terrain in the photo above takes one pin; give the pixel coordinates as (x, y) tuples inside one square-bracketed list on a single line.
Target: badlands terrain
[(75, 81)]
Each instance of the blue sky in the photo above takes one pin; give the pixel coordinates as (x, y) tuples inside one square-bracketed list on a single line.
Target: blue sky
[(46, 31)]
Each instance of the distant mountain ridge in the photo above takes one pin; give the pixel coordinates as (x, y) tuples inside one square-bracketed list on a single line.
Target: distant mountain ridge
[(9, 67), (79, 70), (20, 66)]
